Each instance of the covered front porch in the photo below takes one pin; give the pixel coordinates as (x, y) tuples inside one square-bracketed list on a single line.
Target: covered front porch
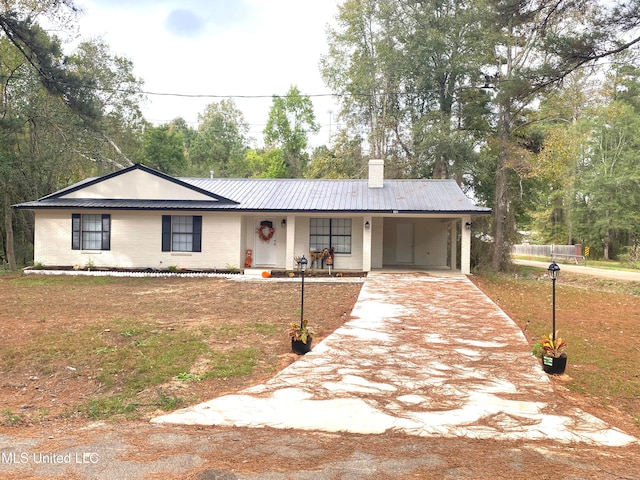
[(366, 243)]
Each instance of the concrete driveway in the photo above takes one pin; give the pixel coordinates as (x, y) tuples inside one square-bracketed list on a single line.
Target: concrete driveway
[(422, 355)]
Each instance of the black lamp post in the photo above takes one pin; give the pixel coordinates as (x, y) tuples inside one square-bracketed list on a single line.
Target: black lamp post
[(303, 267), (554, 271)]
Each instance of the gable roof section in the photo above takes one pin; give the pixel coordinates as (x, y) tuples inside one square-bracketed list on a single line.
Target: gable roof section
[(135, 187), (273, 195)]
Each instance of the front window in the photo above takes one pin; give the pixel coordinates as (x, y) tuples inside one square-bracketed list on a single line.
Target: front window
[(91, 232), (330, 232), (181, 233)]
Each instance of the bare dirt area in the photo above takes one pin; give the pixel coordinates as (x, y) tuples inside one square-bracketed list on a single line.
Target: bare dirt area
[(62, 334)]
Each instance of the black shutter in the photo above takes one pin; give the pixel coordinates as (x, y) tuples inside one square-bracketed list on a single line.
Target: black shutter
[(197, 233), (106, 231), (166, 233), (75, 231)]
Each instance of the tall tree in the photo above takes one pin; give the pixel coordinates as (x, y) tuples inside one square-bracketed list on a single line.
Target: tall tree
[(550, 209), (403, 70), (537, 45), (356, 69), (164, 149), (113, 140), (44, 54), (266, 163), (60, 116), (343, 160), (291, 121), (221, 142), (188, 133), (608, 182)]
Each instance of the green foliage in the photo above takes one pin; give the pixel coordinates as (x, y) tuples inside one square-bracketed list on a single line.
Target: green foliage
[(188, 377), (107, 407), (36, 280), (344, 160), (10, 418), (608, 167), (164, 149), (401, 71), (232, 364), (301, 331), (291, 120), (264, 328), (168, 402), (267, 164), (221, 142), (44, 54), (63, 118)]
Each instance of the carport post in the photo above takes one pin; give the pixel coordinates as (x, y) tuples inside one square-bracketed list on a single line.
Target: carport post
[(465, 245)]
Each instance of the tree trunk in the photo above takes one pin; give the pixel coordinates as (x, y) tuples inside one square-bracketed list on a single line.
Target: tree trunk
[(501, 201), (499, 213), (8, 224)]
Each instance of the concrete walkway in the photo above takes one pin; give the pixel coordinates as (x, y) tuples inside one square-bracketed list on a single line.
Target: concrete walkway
[(423, 355)]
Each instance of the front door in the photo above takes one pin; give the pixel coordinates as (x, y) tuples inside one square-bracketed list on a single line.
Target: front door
[(265, 251), (404, 244)]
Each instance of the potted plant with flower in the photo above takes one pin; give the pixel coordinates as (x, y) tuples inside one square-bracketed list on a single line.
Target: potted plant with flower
[(551, 350), (301, 336)]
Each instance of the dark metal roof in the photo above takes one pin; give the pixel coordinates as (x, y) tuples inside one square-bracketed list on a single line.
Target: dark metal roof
[(410, 196), (287, 195), (123, 204)]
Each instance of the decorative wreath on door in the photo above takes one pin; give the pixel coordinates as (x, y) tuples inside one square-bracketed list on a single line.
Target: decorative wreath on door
[(265, 231)]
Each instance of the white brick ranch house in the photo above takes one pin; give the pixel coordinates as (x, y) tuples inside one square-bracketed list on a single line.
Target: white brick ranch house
[(140, 218)]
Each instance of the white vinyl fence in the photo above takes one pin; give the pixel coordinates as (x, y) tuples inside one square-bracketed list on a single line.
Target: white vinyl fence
[(569, 252)]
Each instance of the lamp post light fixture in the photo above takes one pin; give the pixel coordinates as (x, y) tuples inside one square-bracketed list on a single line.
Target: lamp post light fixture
[(554, 272), (303, 268)]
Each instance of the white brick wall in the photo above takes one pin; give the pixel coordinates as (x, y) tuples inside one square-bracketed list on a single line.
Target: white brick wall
[(136, 242)]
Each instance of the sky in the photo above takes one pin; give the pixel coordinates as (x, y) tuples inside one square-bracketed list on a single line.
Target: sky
[(222, 48)]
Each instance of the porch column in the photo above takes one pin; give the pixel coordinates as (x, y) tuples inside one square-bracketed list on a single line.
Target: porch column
[(367, 228), (453, 243), (465, 249), (290, 247)]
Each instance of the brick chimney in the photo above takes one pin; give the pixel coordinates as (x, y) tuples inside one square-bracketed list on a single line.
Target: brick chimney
[(376, 173)]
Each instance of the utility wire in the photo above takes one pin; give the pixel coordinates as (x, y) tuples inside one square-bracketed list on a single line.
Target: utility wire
[(192, 95)]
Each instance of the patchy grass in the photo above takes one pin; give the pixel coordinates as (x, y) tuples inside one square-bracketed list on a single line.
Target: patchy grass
[(119, 347), (598, 318)]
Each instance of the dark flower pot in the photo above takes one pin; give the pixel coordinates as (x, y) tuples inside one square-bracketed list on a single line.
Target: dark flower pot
[(299, 347), (553, 365)]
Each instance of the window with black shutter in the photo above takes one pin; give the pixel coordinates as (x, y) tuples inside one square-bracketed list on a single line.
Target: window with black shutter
[(181, 233), (90, 231)]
